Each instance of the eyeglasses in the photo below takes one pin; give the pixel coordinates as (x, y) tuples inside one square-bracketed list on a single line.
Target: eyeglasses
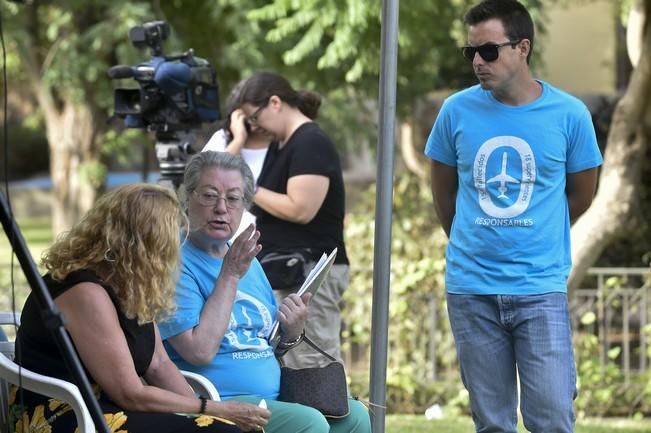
[(488, 52), (253, 118), (211, 198)]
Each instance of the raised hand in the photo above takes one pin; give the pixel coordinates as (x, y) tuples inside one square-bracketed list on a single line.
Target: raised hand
[(240, 254), (238, 125)]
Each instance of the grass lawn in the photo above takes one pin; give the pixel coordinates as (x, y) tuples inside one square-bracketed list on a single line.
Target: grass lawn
[(418, 424), (37, 234)]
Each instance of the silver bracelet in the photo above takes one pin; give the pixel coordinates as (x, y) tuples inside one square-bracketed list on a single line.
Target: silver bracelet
[(286, 345)]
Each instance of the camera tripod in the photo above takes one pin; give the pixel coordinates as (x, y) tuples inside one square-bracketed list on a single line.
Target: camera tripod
[(173, 149)]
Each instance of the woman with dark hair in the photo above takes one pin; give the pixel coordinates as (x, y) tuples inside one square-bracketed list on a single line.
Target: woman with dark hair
[(238, 137), (300, 199)]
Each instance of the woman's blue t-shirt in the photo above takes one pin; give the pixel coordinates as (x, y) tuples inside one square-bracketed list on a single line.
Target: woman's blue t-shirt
[(245, 363)]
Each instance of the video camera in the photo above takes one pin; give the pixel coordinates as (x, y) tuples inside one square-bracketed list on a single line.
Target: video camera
[(175, 95)]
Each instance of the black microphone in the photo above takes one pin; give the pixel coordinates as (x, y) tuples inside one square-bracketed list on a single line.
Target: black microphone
[(120, 71)]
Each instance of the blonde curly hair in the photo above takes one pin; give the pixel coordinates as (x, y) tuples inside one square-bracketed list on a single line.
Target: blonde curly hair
[(130, 238)]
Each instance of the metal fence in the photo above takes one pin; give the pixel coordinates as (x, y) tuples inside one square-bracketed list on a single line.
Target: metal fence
[(615, 307)]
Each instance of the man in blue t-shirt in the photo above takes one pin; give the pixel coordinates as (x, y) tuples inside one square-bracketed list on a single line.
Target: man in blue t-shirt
[(514, 160)]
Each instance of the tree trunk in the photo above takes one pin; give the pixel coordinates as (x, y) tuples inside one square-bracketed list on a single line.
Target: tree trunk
[(70, 134), (619, 181), (71, 131), (412, 159)]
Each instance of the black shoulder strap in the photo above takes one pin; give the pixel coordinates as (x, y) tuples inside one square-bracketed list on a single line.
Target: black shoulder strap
[(317, 348)]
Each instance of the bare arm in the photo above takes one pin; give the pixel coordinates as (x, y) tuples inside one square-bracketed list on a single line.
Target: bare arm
[(444, 192), (163, 373), (200, 344), (580, 189), (305, 195), (93, 324)]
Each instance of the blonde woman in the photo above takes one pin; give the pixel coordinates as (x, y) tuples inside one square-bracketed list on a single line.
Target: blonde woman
[(112, 276)]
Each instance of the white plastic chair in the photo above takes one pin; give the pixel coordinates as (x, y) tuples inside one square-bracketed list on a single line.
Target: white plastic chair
[(8, 318), (201, 385), (12, 373)]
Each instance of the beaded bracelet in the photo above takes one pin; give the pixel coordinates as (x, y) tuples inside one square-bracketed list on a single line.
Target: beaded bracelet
[(286, 345)]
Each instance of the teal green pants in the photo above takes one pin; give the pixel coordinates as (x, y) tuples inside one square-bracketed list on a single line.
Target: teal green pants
[(296, 418)]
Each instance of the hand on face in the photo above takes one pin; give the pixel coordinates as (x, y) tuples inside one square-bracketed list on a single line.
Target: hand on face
[(238, 125), (240, 254), (292, 315), (246, 416)]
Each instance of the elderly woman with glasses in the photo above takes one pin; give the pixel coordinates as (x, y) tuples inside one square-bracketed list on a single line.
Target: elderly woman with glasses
[(225, 305)]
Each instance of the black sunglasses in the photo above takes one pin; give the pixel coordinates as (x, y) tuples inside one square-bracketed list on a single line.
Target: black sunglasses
[(488, 52)]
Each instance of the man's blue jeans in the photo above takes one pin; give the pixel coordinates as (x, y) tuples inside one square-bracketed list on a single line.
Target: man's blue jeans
[(494, 335)]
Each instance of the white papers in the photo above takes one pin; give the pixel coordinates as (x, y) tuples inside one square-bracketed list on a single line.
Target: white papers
[(311, 284)]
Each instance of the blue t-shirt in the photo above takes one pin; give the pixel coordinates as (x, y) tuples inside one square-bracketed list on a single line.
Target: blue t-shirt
[(511, 231), (245, 363)]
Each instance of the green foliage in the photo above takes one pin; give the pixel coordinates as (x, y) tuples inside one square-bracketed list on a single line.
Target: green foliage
[(417, 307), (343, 39), (603, 389), (73, 45), (598, 384)]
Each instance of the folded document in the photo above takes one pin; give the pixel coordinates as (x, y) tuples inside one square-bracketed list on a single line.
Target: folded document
[(311, 284)]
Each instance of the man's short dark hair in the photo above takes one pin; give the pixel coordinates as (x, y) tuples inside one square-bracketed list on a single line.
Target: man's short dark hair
[(514, 16)]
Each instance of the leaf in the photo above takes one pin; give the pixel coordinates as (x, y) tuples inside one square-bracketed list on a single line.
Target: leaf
[(614, 352), (588, 318)]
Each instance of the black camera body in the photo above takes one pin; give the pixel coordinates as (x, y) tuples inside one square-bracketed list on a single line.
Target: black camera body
[(151, 34), (175, 93)]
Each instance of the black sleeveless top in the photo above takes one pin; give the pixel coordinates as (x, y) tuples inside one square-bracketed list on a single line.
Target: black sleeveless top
[(37, 350)]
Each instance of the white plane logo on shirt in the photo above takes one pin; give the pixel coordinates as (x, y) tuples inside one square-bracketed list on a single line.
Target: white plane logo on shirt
[(522, 188), (503, 178)]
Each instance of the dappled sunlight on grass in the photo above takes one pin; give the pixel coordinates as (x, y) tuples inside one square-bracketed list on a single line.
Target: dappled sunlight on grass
[(463, 424)]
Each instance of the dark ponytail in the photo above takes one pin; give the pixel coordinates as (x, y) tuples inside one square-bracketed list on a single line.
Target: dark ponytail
[(309, 103), (263, 85)]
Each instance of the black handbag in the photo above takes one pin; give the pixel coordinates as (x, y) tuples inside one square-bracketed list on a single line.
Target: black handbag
[(286, 269), (323, 388)]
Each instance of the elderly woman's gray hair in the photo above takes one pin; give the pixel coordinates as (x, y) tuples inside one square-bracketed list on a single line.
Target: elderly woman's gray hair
[(223, 160)]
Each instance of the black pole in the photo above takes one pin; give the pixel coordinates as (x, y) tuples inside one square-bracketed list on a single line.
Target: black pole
[(145, 162), (51, 316)]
